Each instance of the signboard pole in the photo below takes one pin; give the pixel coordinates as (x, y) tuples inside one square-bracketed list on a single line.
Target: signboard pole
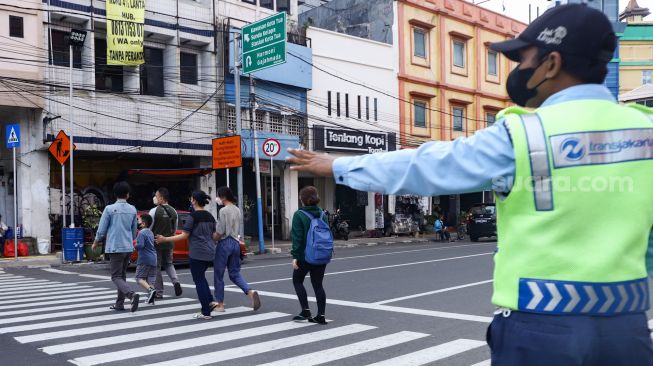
[(237, 66), (259, 202), (228, 178), (70, 127), (272, 198), (15, 210), (63, 194)]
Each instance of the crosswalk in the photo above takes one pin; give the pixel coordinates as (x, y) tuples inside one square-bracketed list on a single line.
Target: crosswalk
[(73, 320)]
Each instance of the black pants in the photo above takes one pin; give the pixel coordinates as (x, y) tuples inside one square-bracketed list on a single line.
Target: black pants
[(317, 275), (523, 339)]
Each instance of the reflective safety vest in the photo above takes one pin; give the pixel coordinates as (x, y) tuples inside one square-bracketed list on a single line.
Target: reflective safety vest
[(574, 229)]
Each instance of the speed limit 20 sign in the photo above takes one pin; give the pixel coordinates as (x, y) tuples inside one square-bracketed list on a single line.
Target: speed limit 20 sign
[(271, 147)]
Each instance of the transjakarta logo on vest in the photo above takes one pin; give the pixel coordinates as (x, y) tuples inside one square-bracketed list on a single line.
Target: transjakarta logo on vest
[(589, 148)]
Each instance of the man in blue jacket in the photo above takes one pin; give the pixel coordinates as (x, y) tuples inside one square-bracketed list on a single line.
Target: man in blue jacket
[(118, 225)]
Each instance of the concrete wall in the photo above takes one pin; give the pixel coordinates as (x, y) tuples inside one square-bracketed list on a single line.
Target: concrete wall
[(370, 19)]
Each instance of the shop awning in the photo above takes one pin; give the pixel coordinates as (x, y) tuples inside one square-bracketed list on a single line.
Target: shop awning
[(171, 172)]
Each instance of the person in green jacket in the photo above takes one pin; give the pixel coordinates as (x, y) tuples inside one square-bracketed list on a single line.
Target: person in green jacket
[(300, 226)]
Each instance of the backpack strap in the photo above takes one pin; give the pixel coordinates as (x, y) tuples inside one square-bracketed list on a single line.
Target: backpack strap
[(310, 216)]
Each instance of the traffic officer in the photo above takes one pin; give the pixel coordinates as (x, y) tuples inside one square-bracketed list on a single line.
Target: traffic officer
[(574, 186)]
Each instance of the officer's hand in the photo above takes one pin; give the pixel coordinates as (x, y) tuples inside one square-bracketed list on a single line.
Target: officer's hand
[(311, 162)]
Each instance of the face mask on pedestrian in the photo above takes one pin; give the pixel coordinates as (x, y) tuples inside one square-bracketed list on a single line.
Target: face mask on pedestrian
[(517, 82), (155, 201), (218, 201)]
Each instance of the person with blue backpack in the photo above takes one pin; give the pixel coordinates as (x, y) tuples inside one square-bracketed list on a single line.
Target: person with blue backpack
[(312, 248)]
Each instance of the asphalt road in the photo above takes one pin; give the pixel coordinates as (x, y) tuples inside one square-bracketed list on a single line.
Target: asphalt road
[(405, 304)]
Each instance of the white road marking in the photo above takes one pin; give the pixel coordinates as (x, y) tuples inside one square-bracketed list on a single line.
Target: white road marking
[(117, 326), (483, 363), (352, 349), (64, 314), (432, 292), (431, 354), (29, 283), (59, 271), (47, 301), (45, 306), (381, 267), (43, 288), (95, 319), (151, 334), (185, 344), (68, 293), (258, 348)]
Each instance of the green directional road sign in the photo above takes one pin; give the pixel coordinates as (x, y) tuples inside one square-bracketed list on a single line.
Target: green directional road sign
[(264, 43)]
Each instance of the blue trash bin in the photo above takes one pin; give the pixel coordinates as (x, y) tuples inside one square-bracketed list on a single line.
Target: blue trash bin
[(73, 244)]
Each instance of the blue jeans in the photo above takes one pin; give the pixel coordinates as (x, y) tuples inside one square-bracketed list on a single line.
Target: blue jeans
[(570, 340), (198, 271), (227, 255)]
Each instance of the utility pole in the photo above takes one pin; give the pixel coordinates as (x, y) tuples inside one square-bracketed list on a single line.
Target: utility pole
[(239, 126), (259, 201)]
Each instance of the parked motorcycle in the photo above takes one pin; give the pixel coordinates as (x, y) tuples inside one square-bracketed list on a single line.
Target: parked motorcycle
[(339, 226)]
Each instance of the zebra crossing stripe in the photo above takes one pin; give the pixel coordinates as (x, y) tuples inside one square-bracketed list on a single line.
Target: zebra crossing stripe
[(113, 327), (151, 334), (95, 319), (39, 302), (63, 314), (5, 275), (483, 363), (353, 349), (99, 359), (12, 278), (69, 293), (432, 354), (35, 289), (61, 307), (263, 347), (31, 283)]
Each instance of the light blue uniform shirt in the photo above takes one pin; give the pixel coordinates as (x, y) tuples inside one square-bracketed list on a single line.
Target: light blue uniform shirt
[(465, 165)]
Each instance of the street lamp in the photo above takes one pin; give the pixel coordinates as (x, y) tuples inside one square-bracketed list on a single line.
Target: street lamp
[(76, 39)]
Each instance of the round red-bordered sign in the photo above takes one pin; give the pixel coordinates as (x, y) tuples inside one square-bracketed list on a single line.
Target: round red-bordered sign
[(271, 147)]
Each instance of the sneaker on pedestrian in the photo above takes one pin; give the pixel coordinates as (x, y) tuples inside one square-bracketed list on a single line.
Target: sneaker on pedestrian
[(305, 315), (135, 301), (178, 289), (256, 300), (201, 316), (319, 319), (117, 307), (151, 294), (158, 297)]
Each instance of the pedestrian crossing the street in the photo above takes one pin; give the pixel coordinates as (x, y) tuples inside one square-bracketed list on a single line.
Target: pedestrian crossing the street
[(74, 320)]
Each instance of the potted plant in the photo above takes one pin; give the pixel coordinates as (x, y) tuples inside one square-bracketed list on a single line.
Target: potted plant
[(91, 220)]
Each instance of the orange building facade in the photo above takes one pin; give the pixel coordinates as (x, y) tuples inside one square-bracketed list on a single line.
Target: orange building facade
[(454, 82)]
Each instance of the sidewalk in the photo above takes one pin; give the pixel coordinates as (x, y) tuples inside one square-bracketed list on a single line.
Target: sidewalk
[(51, 260)]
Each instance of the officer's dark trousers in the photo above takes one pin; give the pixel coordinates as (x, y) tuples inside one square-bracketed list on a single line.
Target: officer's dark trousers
[(523, 339)]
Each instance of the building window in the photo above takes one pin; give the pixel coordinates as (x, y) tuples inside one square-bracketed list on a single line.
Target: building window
[(646, 77), (283, 5), (276, 123), (60, 50), (295, 125), (492, 58), (231, 118), (367, 108), (360, 116), (329, 102), (152, 72), (419, 114), (107, 77), (459, 53), (188, 68), (260, 120), (458, 116), (268, 4), (16, 27), (376, 109), (346, 105), (419, 39), (338, 104), (490, 118)]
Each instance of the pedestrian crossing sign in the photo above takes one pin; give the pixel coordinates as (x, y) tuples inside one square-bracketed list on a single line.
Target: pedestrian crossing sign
[(13, 136)]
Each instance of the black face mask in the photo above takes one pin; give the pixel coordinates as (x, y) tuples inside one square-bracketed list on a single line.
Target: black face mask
[(516, 85)]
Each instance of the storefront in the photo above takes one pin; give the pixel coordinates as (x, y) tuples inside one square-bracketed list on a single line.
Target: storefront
[(365, 211)]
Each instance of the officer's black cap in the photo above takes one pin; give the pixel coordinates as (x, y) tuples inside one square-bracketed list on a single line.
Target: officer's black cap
[(575, 29)]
